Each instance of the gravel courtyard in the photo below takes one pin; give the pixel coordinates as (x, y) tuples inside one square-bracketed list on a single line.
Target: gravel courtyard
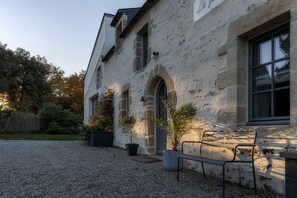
[(71, 169)]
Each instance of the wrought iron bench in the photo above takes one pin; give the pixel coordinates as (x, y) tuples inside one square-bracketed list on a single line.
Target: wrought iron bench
[(235, 143)]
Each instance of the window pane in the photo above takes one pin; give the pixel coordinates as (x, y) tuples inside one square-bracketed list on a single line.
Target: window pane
[(281, 46), (262, 78), (263, 53), (261, 105), (282, 74), (145, 48), (282, 102), (94, 105)]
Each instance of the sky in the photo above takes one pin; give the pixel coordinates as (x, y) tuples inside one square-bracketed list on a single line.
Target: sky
[(63, 31)]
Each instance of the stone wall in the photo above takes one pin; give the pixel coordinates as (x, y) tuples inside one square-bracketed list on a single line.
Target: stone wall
[(205, 62), (104, 41)]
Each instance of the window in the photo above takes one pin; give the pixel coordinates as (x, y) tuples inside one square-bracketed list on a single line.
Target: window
[(270, 76), (98, 77), (144, 48), (141, 46), (94, 101), (126, 99)]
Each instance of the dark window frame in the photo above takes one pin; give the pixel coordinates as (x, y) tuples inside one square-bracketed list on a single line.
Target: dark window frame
[(145, 48), (265, 37), (126, 98), (94, 102), (143, 34), (98, 77)]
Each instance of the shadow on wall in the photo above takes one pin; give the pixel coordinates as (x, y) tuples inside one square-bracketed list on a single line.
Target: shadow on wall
[(270, 141)]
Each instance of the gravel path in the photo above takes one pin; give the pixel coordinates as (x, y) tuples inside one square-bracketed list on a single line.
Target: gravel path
[(71, 169)]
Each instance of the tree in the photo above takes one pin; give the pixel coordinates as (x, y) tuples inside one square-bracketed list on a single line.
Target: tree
[(66, 91), (23, 79), (29, 81), (56, 80), (74, 91)]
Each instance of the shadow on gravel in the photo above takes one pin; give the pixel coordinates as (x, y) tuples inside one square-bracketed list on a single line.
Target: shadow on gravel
[(145, 159)]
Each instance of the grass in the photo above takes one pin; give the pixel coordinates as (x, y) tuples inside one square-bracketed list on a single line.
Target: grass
[(33, 136)]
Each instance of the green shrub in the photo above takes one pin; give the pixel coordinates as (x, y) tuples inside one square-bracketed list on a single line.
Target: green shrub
[(51, 113), (54, 128), (103, 118), (70, 119)]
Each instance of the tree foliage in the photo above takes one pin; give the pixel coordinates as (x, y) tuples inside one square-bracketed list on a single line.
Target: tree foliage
[(23, 79), (67, 91), (29, 81), (52, 113)]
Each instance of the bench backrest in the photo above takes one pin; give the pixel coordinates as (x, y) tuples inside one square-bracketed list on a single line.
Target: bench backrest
[(228, 139)]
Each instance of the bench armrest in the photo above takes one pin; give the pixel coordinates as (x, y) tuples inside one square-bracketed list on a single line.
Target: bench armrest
[(244, 145)]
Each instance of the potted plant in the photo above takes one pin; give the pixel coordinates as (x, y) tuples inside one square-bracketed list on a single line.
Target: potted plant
[(99, 127), (177, 125), (128, 122)]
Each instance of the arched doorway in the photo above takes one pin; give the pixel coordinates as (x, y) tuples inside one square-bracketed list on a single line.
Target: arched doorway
[(161, 112), (159, 81)]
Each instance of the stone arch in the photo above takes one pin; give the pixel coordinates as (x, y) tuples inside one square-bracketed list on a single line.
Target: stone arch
[(158, 74)]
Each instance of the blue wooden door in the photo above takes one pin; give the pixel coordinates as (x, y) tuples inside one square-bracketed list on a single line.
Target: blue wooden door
[(161, 111)]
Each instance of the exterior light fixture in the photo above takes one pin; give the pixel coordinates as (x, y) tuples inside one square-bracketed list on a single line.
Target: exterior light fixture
[(142, 99), (155, 55)]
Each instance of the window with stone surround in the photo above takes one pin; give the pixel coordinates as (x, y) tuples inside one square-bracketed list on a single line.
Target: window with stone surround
[(269, 76), (98, 77), (141, 47), (144, 48), (124, 101), (93, 102)]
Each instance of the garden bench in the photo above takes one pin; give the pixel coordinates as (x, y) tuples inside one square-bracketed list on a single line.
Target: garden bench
[(233, 147)]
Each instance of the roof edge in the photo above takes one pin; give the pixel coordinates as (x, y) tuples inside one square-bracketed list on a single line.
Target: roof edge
[(119, 14), (108, 54), (104, 15), (146, 6)]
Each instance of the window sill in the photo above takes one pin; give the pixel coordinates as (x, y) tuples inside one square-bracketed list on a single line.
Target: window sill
[(270, 122)]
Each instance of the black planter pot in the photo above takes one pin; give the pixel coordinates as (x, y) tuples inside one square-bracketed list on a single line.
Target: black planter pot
[(100, 138), (132, 149)]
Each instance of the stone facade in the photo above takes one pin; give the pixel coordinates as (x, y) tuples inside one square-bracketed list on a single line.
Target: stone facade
[(104, 41), (205, 62)]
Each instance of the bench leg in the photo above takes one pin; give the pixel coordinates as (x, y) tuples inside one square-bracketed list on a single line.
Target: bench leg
[(203, 169), (177, 169), (224, 181), (254, 176)]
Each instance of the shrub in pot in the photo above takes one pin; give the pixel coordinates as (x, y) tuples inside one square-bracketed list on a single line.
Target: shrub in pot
[(128, 122), (99, 127), (177, 125)]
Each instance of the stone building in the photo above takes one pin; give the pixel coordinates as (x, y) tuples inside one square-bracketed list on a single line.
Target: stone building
[(104, 41), (234, 59)]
